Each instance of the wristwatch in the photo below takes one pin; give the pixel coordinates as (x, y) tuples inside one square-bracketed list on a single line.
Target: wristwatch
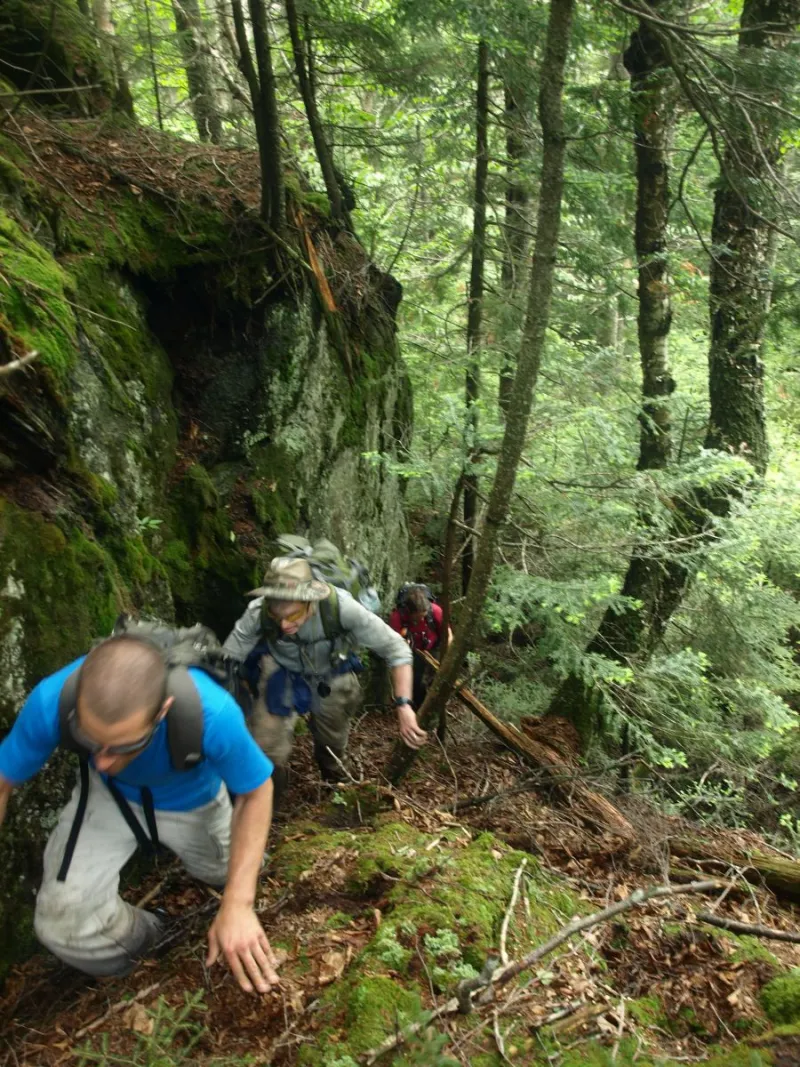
[(400, 701)]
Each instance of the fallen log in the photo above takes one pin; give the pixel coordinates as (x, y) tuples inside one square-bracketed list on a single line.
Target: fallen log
[(591, 807), (757, 864)]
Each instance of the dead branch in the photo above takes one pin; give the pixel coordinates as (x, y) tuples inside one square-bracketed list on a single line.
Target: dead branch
[(503, 975), (507, 917), (17, 364), (528, 785), (119, 1006), (751, 929), (636, 899)]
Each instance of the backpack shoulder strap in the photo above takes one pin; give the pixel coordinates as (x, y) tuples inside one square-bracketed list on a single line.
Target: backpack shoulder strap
[(67, 700), (184, 721), (330, 616)]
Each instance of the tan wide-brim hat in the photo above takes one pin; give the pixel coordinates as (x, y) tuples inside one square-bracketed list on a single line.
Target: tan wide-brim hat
[(291, 579)]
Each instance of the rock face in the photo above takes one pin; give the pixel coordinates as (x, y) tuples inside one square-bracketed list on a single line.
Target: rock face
[(193, 397)]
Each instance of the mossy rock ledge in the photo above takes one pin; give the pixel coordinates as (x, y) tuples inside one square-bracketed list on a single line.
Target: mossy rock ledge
[(189, 401)]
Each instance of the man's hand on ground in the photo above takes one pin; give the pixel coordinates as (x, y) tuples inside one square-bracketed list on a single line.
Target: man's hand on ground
[(410, 730), (237, 934)]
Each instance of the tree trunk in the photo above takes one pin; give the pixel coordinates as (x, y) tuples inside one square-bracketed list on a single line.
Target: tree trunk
[(152, 63), (304, 68), (261, 83), (515, 242), (248, 69), (203, 98), (538, 312), (740, 239), (722, 850), (652, 102), (226, 33), (475, 311), (123, 100)]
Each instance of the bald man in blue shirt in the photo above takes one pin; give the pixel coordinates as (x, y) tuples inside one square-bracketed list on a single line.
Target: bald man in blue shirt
[(121, 718)]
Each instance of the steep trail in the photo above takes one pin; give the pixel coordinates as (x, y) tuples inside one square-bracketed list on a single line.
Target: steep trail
[(379, 902)]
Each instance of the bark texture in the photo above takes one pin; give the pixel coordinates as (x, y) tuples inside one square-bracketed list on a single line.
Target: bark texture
[(652, 104), (304, 68), (261, 83), (740, 237), (472, 384), (515, 244), (123, 100), (202, 94)]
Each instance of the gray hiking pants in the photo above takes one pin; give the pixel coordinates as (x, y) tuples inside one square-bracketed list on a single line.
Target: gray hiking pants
[(83, 920), (328, 720)]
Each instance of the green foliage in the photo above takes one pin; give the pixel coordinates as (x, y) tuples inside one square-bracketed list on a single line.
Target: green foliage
[(780, 999), (426, 1049)]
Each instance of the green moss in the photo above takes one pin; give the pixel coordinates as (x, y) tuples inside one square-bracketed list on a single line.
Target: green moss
[(307, 200), (57, 593), (272, 490), (208, 574), (67, 595), (780, 998), (36, 312), (318, 202), (366, 1009), (115, 325), (340, 920), (647, 1011), (11, 176), (147, 234), (442, 911), (741, 1056), (629, 1054), (751, 950), (592, 1054)]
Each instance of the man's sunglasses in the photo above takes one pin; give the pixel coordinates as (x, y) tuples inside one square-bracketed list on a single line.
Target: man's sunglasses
[(94, 747), (295, 616)]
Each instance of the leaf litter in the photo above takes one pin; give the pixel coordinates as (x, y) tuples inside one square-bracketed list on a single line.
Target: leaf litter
[(702, 984)]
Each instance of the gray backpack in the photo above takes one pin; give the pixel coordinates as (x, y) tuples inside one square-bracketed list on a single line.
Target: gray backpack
[(194, 646), (330, 565)]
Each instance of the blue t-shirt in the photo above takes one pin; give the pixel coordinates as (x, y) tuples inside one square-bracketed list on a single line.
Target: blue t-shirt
[(230, 753)]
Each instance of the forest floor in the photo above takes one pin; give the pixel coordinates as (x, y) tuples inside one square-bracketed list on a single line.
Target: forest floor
[(656, 982)]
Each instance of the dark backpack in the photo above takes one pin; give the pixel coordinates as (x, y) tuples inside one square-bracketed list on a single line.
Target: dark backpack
[(195, 646), (401, 600)]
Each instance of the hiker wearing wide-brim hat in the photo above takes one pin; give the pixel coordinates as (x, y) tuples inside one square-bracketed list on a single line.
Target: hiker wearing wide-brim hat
[(297, 641), (291, 579)]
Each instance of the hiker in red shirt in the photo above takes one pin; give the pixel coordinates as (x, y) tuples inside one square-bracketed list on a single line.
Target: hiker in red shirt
[(418, 619)]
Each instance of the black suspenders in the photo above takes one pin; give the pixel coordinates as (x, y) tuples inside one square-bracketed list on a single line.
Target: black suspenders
[(77, 822), (148, 843)]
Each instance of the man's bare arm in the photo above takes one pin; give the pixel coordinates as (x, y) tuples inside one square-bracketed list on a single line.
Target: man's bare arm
[(236, 931), (402, 684)]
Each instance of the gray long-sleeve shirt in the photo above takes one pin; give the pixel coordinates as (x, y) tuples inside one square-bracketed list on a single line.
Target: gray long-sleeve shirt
[(308, 651)]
